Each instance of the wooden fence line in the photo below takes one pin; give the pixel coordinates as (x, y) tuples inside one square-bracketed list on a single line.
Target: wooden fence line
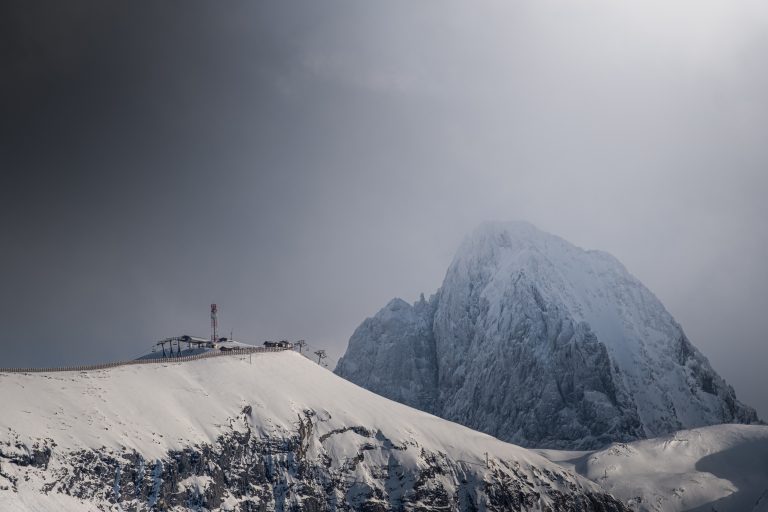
[(159, 360)]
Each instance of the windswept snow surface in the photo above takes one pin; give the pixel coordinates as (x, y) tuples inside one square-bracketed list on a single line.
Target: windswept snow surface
[(723, 468), (277, 432), (541, 343)]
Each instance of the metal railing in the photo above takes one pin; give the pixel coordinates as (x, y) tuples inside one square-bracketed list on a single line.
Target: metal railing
[(159, 360)]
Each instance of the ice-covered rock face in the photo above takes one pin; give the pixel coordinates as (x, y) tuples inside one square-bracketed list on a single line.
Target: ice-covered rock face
[(404, 345), (541, 343)]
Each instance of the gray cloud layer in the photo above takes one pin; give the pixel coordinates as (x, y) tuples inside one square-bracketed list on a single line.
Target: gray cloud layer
[(302, 164)]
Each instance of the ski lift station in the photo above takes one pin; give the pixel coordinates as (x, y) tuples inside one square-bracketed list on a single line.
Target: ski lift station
[(187, 345)]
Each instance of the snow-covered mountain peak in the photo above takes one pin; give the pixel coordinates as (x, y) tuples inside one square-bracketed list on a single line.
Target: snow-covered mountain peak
[(538, 341), (503, 248), (491, 242), (397, 306)]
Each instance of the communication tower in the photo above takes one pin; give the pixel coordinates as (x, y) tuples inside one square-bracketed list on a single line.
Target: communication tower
[(214, 323)]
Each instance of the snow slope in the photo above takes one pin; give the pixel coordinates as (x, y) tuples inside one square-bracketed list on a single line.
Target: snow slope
[(722, 468), (541, 343), (275, 433)]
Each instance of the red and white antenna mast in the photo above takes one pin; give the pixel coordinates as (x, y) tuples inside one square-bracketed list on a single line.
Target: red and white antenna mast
[(214, 324)]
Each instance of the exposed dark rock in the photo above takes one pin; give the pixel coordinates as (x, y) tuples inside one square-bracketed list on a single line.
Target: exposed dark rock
[(280, 474)]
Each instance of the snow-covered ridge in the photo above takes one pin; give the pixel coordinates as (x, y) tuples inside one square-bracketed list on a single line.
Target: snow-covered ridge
[(541, 343), (722, 468), (154, 358), (274, 431)]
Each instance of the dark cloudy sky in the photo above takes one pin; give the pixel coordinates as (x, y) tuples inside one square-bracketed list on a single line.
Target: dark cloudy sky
[(303, 163)]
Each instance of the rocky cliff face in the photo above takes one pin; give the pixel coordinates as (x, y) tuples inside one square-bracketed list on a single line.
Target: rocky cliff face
[(241, 472), (277, 434), (404, 346), (541, 343)]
